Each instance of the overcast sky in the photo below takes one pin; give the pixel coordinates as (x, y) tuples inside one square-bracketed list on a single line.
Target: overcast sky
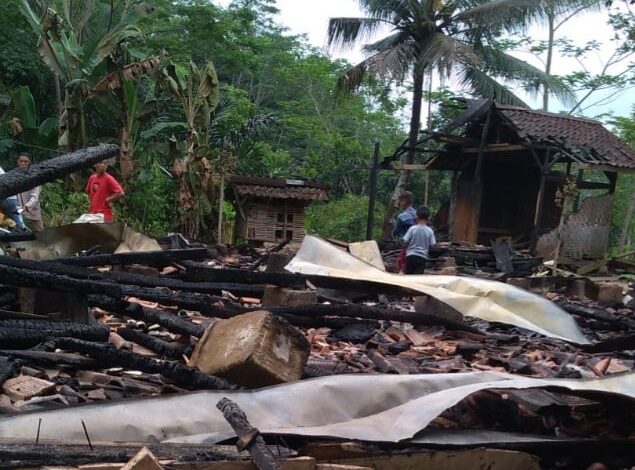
[(310, 17)]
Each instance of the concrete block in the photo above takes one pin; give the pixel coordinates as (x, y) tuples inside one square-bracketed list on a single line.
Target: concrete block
[(605, 293), (576, 288), (253, 350), (275, 295)]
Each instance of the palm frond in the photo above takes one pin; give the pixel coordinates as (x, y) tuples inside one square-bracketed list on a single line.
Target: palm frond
[(393, 63), (440, 52), (345, 32), (483, 85), (514, 15), (353, 78), (387, 10), (533, 80)]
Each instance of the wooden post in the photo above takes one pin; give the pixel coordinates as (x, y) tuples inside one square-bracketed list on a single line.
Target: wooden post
[(576, 203), (481, 151), (373, 193), (221, 203), (543, 167)]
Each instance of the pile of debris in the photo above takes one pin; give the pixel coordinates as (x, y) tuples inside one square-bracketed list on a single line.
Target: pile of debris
[(190, 356), (167, 322)]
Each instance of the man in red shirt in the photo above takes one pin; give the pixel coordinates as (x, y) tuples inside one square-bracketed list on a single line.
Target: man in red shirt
[(103, 190)]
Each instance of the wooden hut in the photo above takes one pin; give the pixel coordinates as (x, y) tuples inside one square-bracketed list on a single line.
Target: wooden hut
[(513, 169), (272, 209)]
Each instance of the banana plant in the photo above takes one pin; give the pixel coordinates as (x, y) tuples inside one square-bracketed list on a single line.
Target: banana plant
[(25, 127), (197, 90), (76, 38)]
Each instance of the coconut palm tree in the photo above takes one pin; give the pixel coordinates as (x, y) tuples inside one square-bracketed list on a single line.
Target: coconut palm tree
[(456, 38)]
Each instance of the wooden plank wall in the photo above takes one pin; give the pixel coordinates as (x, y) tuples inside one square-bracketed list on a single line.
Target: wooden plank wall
[(274, 222)]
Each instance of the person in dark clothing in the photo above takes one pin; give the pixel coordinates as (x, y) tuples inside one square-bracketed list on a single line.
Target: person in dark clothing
[(406, 219), (419, 238), (408, 216)]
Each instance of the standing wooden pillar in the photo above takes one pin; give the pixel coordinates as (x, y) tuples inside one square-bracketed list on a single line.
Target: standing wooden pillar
[(372, 193)]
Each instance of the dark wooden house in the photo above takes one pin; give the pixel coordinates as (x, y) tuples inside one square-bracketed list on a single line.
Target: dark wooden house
[(272, 209), (513, 168)]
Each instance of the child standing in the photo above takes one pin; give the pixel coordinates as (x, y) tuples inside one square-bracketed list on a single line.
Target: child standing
[(419, 238)]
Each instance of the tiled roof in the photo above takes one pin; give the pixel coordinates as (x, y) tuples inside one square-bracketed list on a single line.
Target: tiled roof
[(586, 141), (276, 188)]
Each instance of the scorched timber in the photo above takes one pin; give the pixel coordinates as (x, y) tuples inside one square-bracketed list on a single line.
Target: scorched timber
[(50, 359), (367, 313), (170, 351), (46, 280), (197, 272), (140, 257), (28, 333), (20, 180), (248, 437), (167, 320), (39, 455), (180, 374), (132, 279)]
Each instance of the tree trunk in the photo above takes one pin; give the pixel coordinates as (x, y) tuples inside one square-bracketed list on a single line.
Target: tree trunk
[(413, 137), (550, 44), (125, 153)]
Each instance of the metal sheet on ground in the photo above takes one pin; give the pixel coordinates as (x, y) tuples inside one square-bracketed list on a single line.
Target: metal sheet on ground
[(67, 240), (382, 408), (489, 300)]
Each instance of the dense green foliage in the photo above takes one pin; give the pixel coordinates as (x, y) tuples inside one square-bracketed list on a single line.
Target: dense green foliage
[(278, 116), (279, 112)]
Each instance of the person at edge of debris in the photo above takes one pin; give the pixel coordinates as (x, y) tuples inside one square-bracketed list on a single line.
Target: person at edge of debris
[(10, 208), (406, 219), (29, 200), (103, 191), (420, 238)]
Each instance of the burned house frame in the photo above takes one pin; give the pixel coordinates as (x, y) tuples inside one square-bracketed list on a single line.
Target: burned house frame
[(272, 209), (515, 168)]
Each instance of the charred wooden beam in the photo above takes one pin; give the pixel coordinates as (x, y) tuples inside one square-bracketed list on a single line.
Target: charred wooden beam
[(203, 303), (167, 320), (50, 359), (28, 333), (213, 288), (41, 279), (20, 180), (598, 314), (249, 438), (621, 343), (369, 313), (180, 374), (170, 351), (160, 258), (141, 280), (381, 362), (38, 455), (198, 272)]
